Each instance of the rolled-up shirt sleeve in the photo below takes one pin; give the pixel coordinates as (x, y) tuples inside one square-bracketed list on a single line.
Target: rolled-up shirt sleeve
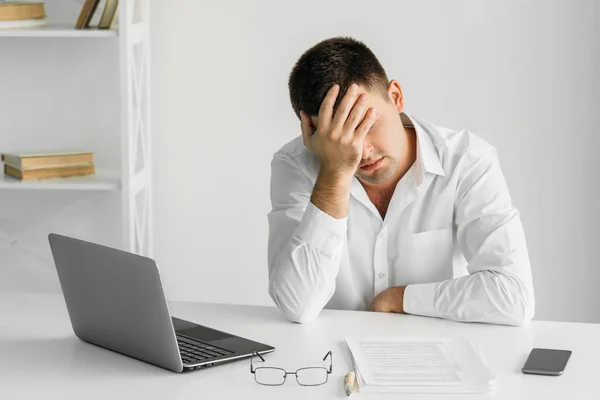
[(305, 244), (489, 231)]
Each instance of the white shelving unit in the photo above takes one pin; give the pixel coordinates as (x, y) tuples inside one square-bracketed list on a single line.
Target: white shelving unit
[(103, 180), (58, 30), (133, 179)]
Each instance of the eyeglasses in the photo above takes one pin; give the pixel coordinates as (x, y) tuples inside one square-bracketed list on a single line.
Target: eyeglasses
[(274, 376)]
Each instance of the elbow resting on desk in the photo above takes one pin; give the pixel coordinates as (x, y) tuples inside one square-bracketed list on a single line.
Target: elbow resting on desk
[(299, 302), (291, 308), (488, 297), (521, 313), (517, 303), (302, 280)]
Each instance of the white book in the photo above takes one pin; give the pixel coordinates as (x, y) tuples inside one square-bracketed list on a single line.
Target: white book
[(23, 23)]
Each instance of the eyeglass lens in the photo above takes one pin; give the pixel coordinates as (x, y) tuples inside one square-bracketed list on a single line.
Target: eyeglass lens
[(305, 376)]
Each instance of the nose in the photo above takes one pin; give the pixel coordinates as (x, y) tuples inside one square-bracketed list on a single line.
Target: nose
[(367, 150)]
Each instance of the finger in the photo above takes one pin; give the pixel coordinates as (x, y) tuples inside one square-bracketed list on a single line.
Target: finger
[(326, 109), (366, 124), (357, 114), (345, 106)]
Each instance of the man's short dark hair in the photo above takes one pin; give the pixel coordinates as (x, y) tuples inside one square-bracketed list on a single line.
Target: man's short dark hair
[(341, 60)]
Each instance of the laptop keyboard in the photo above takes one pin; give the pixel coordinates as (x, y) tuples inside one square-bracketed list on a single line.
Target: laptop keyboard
[(194, 351)]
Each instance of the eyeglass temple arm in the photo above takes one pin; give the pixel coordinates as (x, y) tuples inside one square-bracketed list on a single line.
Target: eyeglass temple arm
[(330, 355), (251, 358)]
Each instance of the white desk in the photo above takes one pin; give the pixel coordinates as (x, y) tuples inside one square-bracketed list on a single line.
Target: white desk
[(40, 358)]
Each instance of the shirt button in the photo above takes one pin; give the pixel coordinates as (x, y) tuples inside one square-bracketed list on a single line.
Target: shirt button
[(382, 275), (332, 237)]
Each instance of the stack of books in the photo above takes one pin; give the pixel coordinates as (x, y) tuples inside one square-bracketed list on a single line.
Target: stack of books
[(22, 14), (58, 164)]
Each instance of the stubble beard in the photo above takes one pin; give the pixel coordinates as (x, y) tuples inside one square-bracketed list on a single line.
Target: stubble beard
[(379, 175)]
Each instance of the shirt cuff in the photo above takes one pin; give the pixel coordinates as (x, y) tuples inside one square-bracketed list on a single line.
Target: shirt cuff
[(320, 230), (419, 299)]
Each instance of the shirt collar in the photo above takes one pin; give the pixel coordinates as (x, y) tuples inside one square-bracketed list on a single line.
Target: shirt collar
[(428, 159)]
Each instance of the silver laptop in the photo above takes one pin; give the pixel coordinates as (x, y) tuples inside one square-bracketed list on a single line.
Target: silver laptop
[(115, 300)]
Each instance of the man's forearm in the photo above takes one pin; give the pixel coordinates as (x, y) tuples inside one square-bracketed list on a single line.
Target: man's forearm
[(485, 296), (302, 277), (331, 193), (302, 272), (305, 244)]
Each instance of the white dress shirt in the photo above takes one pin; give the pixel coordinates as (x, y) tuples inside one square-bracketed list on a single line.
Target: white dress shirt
[(450, 234)]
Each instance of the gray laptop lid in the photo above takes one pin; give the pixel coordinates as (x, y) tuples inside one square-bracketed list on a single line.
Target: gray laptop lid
[(115, 300)]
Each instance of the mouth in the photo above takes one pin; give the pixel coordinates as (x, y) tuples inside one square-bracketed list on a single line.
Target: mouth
[(374, 165)]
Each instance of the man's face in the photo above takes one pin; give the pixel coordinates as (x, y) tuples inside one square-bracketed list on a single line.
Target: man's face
[(383, 146)]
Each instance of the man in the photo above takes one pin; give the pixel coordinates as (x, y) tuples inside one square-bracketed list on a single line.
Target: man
[(375, 209)]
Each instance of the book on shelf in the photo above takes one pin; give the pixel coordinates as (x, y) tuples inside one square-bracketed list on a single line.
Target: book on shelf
[(47, 173), (26, 160), (89, 9), (45, 165), (22, 14), (108, 15), (19, 10), (23, 23), (86, 14)]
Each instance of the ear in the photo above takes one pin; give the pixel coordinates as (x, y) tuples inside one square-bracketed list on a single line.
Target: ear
[(395, 95)]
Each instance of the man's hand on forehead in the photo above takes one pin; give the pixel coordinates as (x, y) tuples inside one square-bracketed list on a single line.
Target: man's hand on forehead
[(336, 135), (358, 91)]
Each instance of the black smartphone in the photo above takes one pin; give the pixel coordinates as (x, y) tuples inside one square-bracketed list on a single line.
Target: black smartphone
[(546, 362)]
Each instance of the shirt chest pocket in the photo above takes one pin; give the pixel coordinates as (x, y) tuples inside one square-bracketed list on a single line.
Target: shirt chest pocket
[(424, 256)]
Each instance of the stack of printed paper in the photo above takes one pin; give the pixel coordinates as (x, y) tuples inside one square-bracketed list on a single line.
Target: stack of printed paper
[(419, 365)]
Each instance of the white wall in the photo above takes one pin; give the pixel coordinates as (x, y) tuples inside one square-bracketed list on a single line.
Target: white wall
[(518, 73)]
